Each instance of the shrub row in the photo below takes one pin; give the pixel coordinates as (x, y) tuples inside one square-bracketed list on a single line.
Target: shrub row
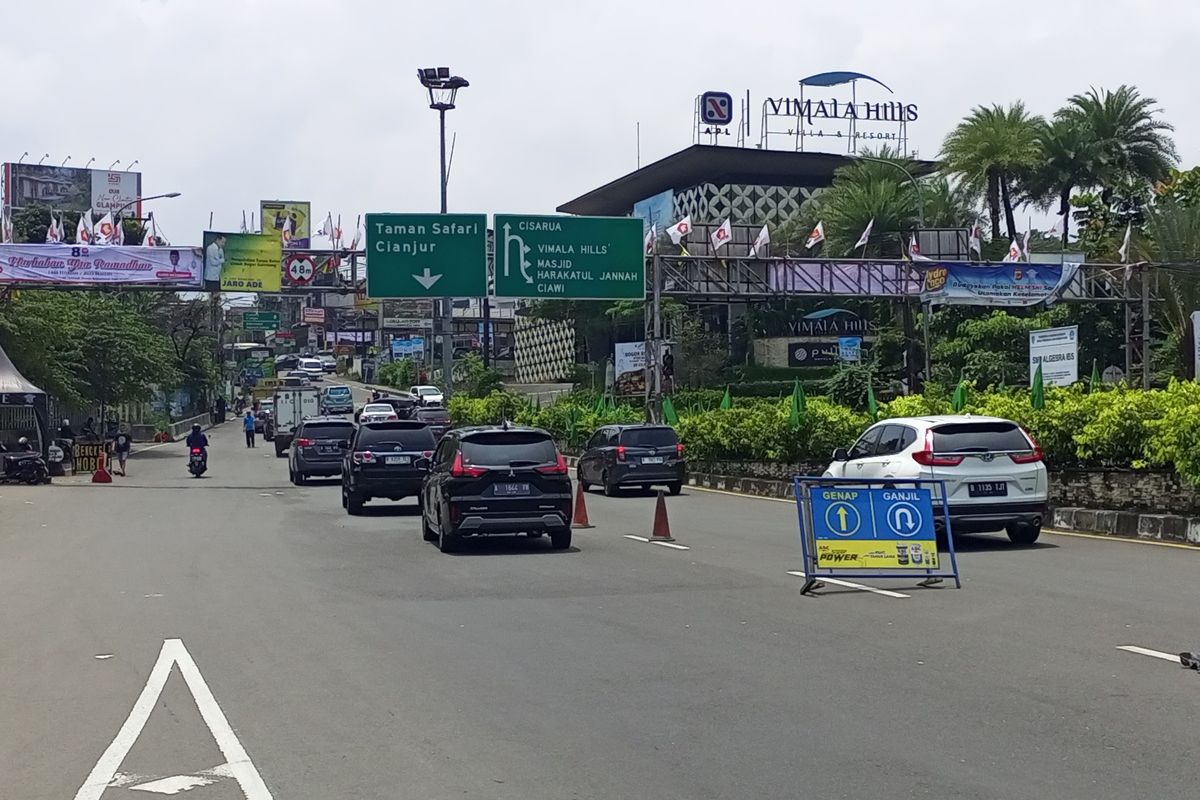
[(1119, 427)]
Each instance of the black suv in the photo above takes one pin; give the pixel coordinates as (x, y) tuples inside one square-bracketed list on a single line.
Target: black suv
[(497, 480), (633, 455), (318, 447), (436, 417), (385, 459)]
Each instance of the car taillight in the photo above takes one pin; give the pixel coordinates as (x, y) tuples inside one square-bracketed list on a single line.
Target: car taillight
[(559, 467), (926, 458), (304, 442), (392, 417), (1030, 458), (620, 452), (679, 451), (460, 470), (363, 457), (426, 454)]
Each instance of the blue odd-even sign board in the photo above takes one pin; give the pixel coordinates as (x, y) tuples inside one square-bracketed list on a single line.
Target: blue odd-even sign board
[(865, 528)]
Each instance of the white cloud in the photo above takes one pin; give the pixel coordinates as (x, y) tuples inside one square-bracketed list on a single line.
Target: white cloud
[(233, 101)]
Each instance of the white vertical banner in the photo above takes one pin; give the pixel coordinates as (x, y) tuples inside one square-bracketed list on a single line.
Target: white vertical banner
[(1057, 350)]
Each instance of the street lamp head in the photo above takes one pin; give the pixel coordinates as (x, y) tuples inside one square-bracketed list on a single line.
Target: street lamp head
[(172, 195), (442, 86)]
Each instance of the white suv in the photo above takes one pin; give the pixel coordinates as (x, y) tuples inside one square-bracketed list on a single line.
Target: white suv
[(993, 469)]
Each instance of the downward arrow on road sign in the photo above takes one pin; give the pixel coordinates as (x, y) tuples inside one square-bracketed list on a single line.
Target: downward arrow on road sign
[(427, 280)]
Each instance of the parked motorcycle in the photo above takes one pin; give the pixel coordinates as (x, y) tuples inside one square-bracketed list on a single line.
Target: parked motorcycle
[(23, 467), (196, 462)]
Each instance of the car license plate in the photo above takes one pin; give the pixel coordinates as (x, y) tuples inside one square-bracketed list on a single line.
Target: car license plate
[(511, 489), (652, 460), (397, 459), (989, 489)]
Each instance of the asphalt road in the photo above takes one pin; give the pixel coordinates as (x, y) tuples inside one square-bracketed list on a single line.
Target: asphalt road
[(351, 659)]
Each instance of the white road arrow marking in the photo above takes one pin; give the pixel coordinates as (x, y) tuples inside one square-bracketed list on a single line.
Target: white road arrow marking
[(238, 766), (427, 280)]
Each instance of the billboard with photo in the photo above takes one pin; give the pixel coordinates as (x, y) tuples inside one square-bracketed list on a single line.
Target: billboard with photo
[(71, 188), (276, 213), (107, 265), (242, 262)]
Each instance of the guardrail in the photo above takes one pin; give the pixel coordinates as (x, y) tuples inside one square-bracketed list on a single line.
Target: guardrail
[(184, 426)]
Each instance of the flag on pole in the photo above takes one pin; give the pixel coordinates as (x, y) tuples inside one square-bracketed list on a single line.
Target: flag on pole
[(118, 232), (1124, 251), (6, 227), (975, 240), (1094, 383), (150, 237), (762, 240), (798, 406), (326, 228), (914, 250), (84, 229), (680, 230), (53, 231), (1025, 245), (648, 240), (959, 401), (1037, 395), (102, 231), (866, 235), (872, 406), (816, 237), (244, 228), (722, 235), (286, 234), (669, 415), (1057, 229), (1014, 252), (727, 400)]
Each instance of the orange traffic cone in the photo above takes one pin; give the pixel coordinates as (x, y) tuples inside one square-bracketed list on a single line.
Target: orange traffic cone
[(581, 517), (662, 528), (101, 474)]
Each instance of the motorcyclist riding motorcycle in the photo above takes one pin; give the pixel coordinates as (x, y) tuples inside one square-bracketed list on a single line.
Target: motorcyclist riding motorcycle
[(197, 439)]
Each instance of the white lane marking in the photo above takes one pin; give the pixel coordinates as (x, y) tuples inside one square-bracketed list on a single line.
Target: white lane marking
[(636, 538), (1142, 651), (174, 784), (103, 656), (671, 545), (849, 585), (174, 653)]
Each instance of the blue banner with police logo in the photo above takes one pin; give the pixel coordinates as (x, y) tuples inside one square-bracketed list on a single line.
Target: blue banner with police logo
[(1011, 284)]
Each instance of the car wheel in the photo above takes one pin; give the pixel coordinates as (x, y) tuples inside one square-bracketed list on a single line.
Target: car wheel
[(447, 542), (354, 504), (560, 540), (1023, 534), (280, 452), (610, 489), (301, 478), (674, 488), (583, 485), (292, 476), (344, 503), (427, 532)]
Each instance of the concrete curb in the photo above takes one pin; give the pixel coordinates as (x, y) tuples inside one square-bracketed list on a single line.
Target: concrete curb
[(1121, 524)]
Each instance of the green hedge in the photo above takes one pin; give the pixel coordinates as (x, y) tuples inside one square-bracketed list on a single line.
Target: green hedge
[(1113, 428)]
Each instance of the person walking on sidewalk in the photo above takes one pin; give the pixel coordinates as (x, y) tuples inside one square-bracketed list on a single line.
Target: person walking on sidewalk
[(121, 444), (248, 427)]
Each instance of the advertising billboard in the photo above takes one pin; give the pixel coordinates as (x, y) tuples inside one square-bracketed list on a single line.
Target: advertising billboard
[(71, 188), (72, 264), (242, 262), (1057, 350), (276, 214), (1013, 284)]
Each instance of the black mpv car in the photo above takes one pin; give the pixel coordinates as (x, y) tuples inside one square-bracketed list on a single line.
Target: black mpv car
[(633, 455), (497, 480), (385, 459)]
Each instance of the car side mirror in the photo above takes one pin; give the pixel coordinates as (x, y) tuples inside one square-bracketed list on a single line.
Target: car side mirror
[(841, 454)]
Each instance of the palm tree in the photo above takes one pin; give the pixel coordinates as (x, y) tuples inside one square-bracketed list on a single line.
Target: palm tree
[(988, 151), (949, 204), (863, 191), (1067, 161), (1129, 140), (1173, 240)]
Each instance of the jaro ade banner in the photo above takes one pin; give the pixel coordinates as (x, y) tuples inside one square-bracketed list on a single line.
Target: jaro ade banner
[(242, 262), (72, 264)]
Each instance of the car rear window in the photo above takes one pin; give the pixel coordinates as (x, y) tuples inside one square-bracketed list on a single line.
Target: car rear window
[(339, 390), (432, 415), (502, 448), (407, 438), (378, 408), (327, 430), (649, 437), (978, 437)]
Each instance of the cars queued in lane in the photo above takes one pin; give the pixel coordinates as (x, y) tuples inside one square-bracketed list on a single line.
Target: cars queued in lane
[(385, 459), (318, 448), (633, 456), (337, 399)]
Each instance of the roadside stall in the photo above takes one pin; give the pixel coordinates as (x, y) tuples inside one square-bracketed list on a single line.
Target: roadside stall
[(23, 410)]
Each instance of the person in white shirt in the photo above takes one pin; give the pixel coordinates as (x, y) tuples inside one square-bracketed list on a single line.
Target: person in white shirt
[(214, 259)]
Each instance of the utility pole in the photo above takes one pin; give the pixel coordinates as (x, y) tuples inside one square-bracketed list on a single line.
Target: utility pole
[(447, 315)]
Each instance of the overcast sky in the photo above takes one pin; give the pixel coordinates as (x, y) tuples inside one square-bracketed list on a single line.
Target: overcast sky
[(233, 101)]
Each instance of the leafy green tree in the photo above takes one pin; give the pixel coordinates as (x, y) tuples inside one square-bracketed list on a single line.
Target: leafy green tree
[(989, 151), (123, 357), (1173, 239), (40, 332), (860, 192), (1128, 139)]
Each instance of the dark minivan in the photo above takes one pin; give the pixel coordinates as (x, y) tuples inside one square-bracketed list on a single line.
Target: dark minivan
[(497, 480), (620, 456), (436, 417), (385, 459), (318, 448)]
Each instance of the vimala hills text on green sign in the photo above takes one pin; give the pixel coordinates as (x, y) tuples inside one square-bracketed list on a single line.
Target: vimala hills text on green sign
[(579, 258), (426, 255)]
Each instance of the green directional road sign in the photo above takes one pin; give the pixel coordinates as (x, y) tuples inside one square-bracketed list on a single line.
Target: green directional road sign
[(426, 255), (582, 258), (261, 320)]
